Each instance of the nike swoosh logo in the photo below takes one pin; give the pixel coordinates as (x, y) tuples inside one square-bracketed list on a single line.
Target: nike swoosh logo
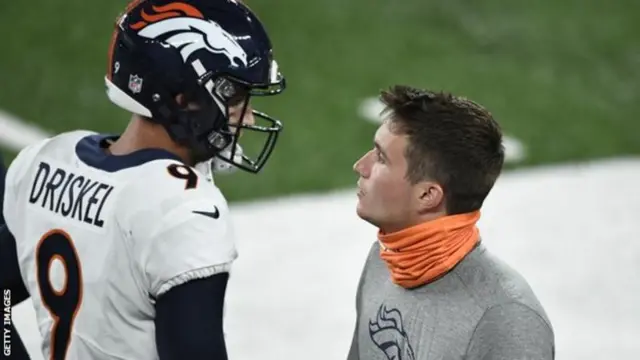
[(214, 215)]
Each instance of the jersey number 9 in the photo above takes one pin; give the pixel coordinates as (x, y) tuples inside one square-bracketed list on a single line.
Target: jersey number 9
[(62, 304), (185, 173)]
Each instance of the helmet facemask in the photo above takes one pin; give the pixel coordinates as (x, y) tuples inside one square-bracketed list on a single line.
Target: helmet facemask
[(232, 97)]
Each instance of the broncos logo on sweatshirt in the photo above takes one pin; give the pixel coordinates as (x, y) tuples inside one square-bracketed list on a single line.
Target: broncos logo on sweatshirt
[(387, 332)]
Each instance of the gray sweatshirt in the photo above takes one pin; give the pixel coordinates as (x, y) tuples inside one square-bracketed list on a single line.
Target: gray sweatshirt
[(481, 309)]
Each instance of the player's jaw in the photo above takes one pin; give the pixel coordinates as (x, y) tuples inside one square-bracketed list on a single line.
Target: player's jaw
[(239, 115)]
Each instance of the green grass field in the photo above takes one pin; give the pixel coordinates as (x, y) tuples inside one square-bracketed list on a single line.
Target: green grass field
[(562, 76)]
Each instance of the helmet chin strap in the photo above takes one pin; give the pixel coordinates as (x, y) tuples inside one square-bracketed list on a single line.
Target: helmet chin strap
[(216, 165), (221, 166)]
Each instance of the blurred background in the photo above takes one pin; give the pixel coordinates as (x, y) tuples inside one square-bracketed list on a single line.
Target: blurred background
[(562, 78)]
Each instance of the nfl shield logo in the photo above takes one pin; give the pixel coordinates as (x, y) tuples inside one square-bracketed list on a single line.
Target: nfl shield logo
[(135, 83)]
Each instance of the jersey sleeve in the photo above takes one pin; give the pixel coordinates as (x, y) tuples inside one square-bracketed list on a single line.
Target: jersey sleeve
[(179, 234)]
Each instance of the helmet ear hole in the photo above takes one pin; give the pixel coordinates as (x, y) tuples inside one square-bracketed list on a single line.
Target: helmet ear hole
[(181, 101), (190, 100)]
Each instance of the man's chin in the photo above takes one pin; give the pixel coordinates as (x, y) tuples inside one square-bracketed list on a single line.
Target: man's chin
[(362, 213)]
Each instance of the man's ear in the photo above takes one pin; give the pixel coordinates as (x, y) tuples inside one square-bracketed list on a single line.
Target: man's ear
[(429, 196)]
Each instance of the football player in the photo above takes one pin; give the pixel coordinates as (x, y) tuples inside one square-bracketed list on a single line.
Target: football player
[(124, 242)]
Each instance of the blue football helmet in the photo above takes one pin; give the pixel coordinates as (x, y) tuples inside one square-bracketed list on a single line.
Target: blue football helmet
[(216, 53)]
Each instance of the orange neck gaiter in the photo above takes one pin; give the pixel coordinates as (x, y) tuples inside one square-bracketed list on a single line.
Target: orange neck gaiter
[(422, 253)]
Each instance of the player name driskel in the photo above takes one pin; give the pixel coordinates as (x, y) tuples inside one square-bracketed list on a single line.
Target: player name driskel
[(64, 193)]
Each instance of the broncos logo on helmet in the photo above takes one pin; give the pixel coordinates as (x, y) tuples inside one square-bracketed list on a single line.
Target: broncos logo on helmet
[(184, 27)]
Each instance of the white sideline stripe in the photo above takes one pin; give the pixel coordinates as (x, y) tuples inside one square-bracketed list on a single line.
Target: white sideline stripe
[(371, 108), (15, 134)]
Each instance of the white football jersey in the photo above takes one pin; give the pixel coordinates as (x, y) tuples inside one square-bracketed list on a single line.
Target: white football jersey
[(100, 236)]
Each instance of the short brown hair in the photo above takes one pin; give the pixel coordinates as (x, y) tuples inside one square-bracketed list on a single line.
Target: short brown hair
[(451, 140)]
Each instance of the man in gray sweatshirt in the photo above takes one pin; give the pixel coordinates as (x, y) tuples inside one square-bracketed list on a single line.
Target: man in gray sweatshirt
[(430, 290)]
